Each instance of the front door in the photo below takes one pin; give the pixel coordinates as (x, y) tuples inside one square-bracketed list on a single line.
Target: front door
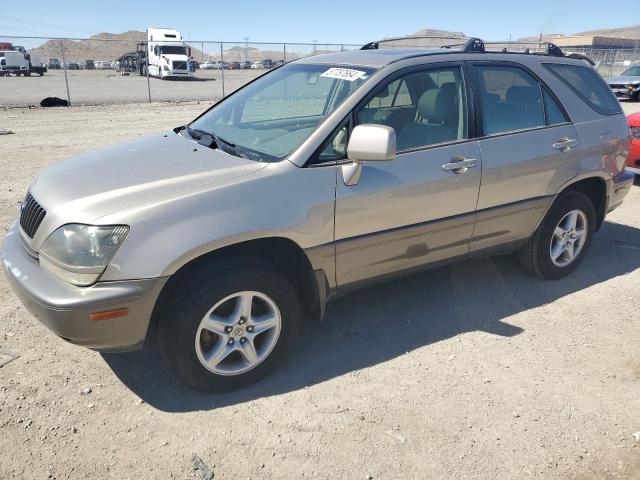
[(418, 208)]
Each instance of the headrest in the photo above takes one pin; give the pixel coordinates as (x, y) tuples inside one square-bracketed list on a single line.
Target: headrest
[(522, 95), (438, 105)]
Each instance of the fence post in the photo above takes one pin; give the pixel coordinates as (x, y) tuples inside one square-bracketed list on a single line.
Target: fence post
[(284, 52), (148, 81), (66, 80), (222, 66)]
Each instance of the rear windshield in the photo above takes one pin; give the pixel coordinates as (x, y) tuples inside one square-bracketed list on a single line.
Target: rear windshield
[(588, 85)]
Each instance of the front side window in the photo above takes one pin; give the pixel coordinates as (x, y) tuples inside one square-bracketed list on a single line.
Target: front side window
[(424, 108), (269, 118), (588, 85)]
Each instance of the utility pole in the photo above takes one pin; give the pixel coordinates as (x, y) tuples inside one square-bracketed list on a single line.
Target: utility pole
[(314, 46), (246, 48)]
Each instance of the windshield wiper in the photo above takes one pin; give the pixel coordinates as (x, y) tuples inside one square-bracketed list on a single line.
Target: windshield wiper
[(210, 139)]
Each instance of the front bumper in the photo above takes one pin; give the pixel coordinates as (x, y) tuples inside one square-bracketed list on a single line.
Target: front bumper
[(65, 309), (620, 186), (623, 91)]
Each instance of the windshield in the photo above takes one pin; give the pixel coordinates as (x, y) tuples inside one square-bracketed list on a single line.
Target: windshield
[(173, 50), (272, 116), (632, 72)]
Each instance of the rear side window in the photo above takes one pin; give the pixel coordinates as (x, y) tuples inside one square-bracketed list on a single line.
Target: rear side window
[(510, 99), (588, 85)]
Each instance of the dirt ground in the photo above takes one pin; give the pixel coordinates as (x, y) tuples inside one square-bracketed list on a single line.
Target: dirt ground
[(98, 87), (475, 371)]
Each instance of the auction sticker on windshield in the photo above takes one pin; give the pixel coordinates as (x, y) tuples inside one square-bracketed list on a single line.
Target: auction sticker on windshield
[(343, 74)]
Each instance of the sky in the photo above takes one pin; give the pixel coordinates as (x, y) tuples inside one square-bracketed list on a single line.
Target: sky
[(327, 21)]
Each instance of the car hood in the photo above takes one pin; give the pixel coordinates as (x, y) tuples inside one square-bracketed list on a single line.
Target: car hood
[(623, 79), (132, 174)]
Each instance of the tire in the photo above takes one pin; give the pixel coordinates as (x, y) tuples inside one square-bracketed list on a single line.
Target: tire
[(536, 255), (184, 341)]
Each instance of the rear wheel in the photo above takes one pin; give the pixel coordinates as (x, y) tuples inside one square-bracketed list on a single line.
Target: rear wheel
[(229, 324), (559, 244)]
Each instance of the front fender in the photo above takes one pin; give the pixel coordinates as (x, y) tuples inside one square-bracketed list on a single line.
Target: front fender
[(281, 200)]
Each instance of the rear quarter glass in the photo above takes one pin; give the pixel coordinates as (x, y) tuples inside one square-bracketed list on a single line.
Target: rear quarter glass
[(588, 85)]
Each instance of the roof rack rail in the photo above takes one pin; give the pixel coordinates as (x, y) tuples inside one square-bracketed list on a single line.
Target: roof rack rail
[(375, 45), (473, 44), (550, 49)]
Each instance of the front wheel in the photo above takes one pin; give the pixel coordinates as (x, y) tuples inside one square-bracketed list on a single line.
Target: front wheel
[(229, 324), (559, 244)]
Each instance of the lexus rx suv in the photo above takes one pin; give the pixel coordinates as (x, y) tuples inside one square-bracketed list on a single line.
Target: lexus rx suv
[(323, 175)]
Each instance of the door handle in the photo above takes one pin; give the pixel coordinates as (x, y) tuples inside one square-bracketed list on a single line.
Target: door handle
[(460, 164), (565, 144)]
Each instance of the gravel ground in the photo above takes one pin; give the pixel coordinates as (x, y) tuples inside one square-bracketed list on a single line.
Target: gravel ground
[(475, 371)]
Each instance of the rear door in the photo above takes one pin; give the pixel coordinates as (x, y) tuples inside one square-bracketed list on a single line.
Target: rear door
[(529, 150)]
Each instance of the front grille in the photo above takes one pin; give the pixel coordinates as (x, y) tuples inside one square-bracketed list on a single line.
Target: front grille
[(31, 215), (179, 65)]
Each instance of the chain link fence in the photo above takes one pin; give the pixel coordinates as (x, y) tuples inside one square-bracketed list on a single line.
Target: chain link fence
[(611, 62), (109, 71)]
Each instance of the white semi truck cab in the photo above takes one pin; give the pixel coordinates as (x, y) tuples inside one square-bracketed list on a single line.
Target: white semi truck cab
[(168, 55)]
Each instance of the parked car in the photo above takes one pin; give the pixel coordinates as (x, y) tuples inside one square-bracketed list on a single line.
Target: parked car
[(246, 65), (633, 161), (103, 65), (234, 66), (228, 233), (89, 65), (280, 62), (267, 63), (208, 65), (256, 66), (627, 84), (73, 66), (54, 64)]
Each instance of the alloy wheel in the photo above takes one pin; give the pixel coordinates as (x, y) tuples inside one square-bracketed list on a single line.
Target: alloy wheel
[(238, 333), (568, 238)]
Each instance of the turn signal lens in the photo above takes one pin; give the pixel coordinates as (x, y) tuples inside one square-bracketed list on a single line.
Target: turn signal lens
[(109, 314)]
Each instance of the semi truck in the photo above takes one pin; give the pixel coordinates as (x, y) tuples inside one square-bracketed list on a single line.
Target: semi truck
[(167, 56)]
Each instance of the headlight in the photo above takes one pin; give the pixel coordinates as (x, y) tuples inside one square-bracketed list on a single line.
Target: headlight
[(635, 132), (79, 254)]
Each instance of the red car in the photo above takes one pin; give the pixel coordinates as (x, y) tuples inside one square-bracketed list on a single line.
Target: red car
[(633, 162)]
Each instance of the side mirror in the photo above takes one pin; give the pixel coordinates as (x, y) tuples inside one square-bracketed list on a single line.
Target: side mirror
[(371, 142)]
